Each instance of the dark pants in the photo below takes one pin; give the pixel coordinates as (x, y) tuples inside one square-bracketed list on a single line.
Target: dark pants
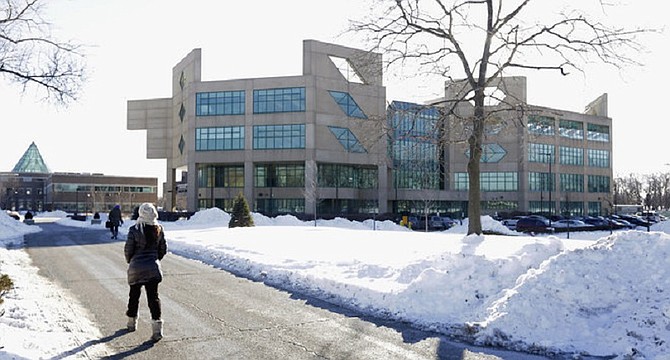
[(152, 299), (115, 230)]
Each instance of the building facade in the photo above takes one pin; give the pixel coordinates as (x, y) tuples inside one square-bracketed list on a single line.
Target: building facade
[(90, 193), (534, 160), (295, 144), (31, 186), (325, 142)]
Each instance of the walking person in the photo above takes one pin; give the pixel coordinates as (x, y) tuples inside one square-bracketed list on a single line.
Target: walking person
[(144, 249), (115, 218)]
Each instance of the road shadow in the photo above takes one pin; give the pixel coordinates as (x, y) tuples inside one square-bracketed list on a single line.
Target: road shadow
[(75, 352), (56, 235)]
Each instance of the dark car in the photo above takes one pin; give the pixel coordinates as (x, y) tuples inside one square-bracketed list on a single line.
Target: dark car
[(534, 224)]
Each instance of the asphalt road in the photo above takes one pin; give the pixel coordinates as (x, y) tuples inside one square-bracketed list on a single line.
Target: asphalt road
[(212, 314)]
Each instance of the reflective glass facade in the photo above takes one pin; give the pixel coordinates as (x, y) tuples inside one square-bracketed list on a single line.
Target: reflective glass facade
[(347, 139), (347, 176), (598, 184), (347, 104), (541, 181), (572, 182), (571, 129), (541, 153), (489, 181), (279, 175), (219, 103), (415, 146), (279, 136), (571, 156), (599, 158), (541, 125), (279, 100), (219, 138), (598, 132)]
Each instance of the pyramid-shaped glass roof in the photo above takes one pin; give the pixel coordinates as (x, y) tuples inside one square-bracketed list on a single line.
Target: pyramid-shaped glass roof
[(31, 162)]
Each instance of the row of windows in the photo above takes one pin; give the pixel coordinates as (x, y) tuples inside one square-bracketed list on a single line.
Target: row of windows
[(267, 101), (545, 125), (219, 138), (290, 136), (347, 176), (103, 188), (537, 181), (489, 181), (545, 153)]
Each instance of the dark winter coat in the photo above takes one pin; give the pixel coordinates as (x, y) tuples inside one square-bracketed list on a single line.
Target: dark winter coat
[(115, 216), (144, 256)]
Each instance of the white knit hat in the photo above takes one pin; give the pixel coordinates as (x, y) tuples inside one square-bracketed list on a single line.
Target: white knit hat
[(147, 214)]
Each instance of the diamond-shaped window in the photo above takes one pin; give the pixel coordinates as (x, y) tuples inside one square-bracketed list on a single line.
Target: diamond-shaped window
[(182, 112), (347, 139), (491, 153), (347, 104), (182, 80), (182, 144)]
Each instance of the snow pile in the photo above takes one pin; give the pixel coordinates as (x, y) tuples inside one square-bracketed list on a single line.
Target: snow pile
[(12, 230), (489, 225), (611, 298)]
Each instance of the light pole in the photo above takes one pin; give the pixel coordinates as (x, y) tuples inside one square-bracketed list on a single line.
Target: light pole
[(551, 182)]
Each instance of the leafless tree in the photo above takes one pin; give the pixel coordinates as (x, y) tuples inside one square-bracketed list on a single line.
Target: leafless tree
[(32, 58), (484, 40)]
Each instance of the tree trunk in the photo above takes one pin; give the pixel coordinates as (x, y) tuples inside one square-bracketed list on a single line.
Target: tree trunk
[(475, 143)]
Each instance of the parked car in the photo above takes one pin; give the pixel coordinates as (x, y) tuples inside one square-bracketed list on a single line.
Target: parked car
[(636, 220), (436, 223), (448, 222), (572, 224), (511, 223), (534, 224)]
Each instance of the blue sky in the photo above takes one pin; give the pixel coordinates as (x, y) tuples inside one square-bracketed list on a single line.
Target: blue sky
[(135, 44)]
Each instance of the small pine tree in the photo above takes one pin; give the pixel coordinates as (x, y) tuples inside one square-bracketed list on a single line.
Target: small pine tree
[(6, 284), (241, 216)]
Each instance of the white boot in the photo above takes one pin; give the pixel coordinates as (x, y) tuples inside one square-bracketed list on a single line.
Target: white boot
[(157, 327), (132, 323)]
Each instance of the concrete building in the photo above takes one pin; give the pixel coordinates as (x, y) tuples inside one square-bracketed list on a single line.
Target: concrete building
[(325, 142), (535, 159), (293, 144)]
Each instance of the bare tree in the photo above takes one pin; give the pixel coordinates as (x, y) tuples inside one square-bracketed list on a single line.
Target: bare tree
[(485, 39), (31, 57)]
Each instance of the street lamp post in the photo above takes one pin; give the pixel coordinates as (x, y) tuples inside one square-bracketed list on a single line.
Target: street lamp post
[(551, 182)]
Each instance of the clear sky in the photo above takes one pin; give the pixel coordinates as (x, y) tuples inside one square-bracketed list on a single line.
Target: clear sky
[(134, 45)]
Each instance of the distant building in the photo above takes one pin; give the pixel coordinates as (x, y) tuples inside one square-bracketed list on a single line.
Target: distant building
[(325, 142), (32, 186)]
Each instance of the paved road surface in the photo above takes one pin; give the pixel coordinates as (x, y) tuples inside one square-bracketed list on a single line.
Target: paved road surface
[(212, 314)]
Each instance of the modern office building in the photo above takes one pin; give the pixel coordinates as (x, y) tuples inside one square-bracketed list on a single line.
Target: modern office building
[(326, 142), (535, 159), (31, 186), (293, 144)]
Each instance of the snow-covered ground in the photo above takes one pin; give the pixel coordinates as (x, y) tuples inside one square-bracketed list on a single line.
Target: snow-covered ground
[(595, 293)]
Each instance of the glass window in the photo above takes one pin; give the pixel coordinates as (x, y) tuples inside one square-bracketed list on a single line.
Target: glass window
[(219, 103), (571, 129), (598, 132), (347, 176), (219, 138), (347, 139), (279, 136), (571, 156), (347, 104), (541, 125), (572, 182), (599, 184), (541, 153), (279, 175), (540, 181), (279, 100), (489, 181), (599, 158)]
